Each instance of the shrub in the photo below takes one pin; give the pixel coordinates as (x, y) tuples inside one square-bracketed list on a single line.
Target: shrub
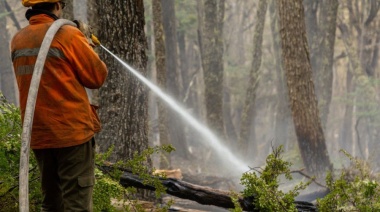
[(10, 144), (355, 189), (263, 185), (107, 186)]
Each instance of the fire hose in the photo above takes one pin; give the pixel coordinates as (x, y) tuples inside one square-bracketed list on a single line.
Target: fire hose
[(29, 111)]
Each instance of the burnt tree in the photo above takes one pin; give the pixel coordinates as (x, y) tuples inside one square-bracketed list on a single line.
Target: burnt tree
[(304, 106)]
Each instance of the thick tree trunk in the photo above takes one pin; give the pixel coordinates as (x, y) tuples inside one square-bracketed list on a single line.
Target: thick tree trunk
[(250, 98), (303, 101), (176, 126), (123, 98), (159, 44), (212, 59)]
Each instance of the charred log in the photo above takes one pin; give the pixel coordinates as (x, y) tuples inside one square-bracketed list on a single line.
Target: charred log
[(200, 194)]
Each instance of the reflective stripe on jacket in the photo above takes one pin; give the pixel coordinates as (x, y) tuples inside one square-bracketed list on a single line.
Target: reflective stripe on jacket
[(63, 116)]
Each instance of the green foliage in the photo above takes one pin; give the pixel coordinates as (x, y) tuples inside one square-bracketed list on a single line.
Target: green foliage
[(264, 187), (10, 144), (235, 200), (104, 190), (107, 187), (138, 166), (354, 190)]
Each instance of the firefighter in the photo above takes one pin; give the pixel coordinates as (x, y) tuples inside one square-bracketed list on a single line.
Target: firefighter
[(64, 121)]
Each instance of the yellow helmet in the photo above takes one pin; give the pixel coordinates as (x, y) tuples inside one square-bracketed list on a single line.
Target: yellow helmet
[(31, 3)]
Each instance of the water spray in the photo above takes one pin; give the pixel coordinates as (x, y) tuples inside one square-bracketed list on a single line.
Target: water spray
[(211, 137)]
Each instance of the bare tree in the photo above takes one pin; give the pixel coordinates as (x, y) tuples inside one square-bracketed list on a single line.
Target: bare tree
[(248, 109), (295, 53)]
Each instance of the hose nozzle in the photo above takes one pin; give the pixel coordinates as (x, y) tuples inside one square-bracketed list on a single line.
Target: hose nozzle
[(95, 40)]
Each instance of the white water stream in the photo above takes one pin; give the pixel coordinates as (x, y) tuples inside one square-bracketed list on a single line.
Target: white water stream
[(210, 137)]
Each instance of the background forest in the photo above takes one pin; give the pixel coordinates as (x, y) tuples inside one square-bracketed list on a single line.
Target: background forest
[(223, 61)]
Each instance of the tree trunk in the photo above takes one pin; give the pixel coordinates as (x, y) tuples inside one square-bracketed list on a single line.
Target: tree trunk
[(282, 107), (250, 98), (176, 126), (123, 98), (303, 101), (324, 72), (7, 80), (212, 59), (159, 44)]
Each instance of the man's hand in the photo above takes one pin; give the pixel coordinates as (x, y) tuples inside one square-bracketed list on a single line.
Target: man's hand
[(87, 31)]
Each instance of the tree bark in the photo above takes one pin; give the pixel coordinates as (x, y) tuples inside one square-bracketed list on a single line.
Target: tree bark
[(159, 44), (123, 98), (212, 60), (295, 53), (250, 98)]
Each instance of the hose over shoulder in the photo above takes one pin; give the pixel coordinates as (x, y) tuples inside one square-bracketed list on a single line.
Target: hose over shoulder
[(29, 113)]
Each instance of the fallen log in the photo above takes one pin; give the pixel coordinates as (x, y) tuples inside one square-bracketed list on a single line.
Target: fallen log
[(200, 194)]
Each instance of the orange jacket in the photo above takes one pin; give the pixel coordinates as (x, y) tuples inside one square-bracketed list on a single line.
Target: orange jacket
[(63, 116)]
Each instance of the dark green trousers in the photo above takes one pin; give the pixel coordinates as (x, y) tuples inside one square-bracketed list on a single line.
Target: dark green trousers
[(67, 177)]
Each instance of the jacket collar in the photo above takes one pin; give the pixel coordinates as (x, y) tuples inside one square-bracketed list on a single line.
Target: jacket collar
[(33, 14)]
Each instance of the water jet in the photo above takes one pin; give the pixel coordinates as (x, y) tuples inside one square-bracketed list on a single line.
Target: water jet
[(212, 139)]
